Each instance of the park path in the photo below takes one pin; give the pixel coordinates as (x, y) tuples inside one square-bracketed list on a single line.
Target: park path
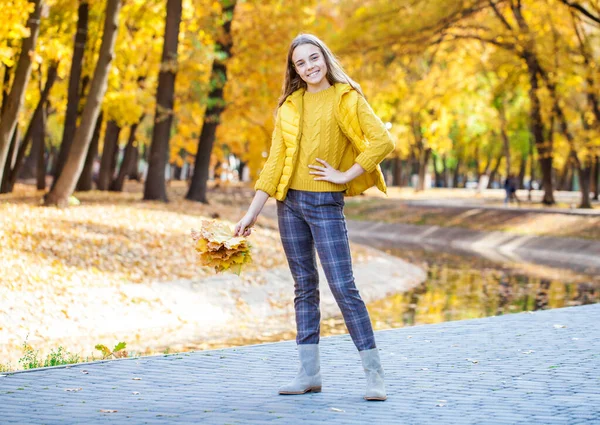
[(489, 199), (541, 367)]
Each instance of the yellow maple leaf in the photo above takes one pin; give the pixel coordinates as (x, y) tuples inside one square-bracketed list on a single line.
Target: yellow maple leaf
[(219, 249)]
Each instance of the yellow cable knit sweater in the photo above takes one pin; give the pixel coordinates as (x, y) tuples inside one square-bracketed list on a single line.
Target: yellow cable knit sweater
[(321, 138), (337, 125)]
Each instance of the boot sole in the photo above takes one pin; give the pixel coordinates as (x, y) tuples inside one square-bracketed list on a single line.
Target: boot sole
[(308, 390), (375, 398)]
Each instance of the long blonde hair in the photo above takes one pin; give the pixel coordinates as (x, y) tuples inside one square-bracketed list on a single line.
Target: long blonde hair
[(335, 72)]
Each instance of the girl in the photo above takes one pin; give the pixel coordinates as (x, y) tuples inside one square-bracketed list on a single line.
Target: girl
[(327, 144)]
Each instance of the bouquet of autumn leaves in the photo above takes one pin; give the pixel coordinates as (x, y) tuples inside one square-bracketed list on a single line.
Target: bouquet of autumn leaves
[(218, 247)]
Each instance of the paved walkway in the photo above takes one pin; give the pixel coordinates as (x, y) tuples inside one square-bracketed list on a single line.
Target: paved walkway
[(492, 199), (520, 368)]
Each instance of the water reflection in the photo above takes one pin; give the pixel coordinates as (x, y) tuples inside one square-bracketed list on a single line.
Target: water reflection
[(458, 286), (461, 287)]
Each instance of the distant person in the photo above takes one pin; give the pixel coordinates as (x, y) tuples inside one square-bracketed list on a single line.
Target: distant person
[(318, 156), (510, 188)]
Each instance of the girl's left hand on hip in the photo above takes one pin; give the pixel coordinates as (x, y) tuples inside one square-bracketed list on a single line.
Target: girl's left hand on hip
[(327, 173)]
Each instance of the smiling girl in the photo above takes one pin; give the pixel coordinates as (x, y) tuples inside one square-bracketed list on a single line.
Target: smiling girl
[(327, 144)]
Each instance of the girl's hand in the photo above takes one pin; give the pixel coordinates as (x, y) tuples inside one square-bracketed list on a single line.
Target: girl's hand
[(244, 226), (327, 173)]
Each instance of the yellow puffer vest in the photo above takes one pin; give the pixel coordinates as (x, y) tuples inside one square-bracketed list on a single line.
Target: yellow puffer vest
[(347, 119)]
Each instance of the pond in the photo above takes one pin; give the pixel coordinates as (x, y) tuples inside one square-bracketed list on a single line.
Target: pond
[(461, 286), (458, 286)]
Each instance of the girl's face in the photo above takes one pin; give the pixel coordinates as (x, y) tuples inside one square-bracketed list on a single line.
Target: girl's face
[(310, 65)]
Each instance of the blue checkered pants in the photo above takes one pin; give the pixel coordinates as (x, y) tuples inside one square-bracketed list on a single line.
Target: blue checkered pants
[(309, 220)]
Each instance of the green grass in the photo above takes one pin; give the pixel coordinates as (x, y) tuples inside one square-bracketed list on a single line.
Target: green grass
[(33, 359)]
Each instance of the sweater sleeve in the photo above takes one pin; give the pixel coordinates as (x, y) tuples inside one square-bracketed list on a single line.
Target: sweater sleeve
[(379, 140), (271, 172)]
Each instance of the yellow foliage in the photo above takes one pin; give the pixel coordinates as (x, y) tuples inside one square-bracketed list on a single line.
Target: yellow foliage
[(218, 248)]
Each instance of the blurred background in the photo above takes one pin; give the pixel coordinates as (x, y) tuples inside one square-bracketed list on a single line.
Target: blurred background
[(112, 108)]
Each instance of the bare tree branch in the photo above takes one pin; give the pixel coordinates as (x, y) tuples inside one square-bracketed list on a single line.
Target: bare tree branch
[(500, 15), (583, 10), (508, 46)]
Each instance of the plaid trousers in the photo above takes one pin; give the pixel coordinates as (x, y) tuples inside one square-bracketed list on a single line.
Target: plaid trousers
[(316, 219)]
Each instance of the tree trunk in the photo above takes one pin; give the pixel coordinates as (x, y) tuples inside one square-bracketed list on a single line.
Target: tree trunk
[(494, 171), (397, 176), (128, 157), (67, 180), (444, 171), (87, 175), (596, 178), (437, 173), (73, 95), (29, 168), (537, 129), (570, 186), (5, 88), (565, 174), (477, 166), (155, 187), (531, 170), (216, 105), (5, 186), (456, 176), (505, 140), (537, 125), (41, 163), (111, 148), (585, 172), (38, 121), (8, 121), (547, 187), (134, 173), (423, 168)]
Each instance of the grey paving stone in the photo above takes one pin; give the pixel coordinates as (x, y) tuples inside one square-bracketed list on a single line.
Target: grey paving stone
[(430, 372)]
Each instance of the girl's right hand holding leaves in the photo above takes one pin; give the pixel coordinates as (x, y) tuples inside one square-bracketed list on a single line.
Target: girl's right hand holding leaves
[(244, 226)]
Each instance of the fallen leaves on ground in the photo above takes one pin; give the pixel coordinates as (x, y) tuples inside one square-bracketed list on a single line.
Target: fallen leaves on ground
[(68, 273)]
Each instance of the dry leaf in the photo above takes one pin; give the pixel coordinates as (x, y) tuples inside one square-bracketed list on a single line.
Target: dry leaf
[(108, 411), (219, 249)]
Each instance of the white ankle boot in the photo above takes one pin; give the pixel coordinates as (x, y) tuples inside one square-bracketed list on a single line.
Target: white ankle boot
[(374, 373), (309, 375)]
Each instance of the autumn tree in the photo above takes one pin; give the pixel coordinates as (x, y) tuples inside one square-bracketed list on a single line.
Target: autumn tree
[(14, 100), (216, 105), (67, 180), (154, 188), (34, 134), (73, 93)]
